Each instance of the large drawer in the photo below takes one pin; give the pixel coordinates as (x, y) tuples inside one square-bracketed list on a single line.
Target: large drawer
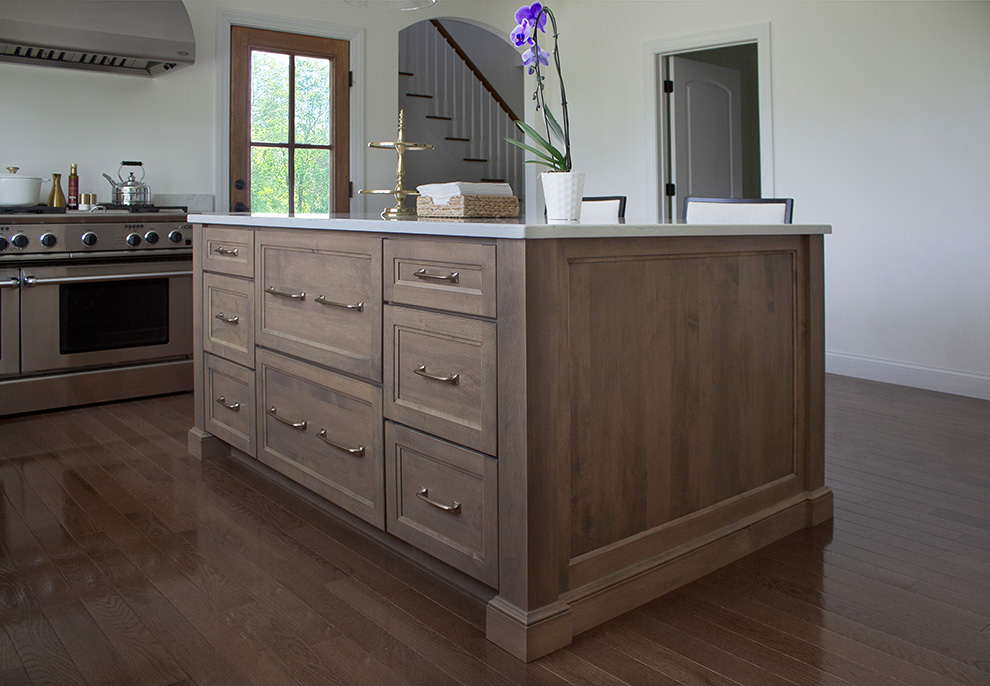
[(228, 251), (443, 499), (323, 431), (228, 318), (319, 297), (440, 375), (230, 397), (443, 275)]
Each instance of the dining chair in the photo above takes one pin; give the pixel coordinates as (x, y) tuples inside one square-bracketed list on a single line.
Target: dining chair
[(738, 210), (604, 208)]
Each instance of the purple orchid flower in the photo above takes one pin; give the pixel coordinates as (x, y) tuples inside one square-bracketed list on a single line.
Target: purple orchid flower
[(529, 57), (520, 36), (527, 16)]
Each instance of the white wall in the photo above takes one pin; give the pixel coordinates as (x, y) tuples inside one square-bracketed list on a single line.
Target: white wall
[(880, 129)]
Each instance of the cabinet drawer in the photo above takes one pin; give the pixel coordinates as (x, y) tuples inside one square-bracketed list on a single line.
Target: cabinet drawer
[(458, 277), (228, 318), (443, 499), (319, 297), (440, 375), (230, 395), (228, 251), (323, 431)]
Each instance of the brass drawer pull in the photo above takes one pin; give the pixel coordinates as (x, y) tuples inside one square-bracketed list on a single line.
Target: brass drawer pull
[(453, 379), (273, 412), (424, 494), (236, 407), (358, 451), (220, 250), (453, 277), (229, 320), (285, 294), (323, 301)]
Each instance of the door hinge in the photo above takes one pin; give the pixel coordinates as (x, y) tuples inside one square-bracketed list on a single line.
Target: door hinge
[(669, 190), (350, 189), (668, 86), (350, 79)]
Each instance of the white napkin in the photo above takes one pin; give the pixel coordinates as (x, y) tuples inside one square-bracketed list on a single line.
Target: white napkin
[(441, 193)]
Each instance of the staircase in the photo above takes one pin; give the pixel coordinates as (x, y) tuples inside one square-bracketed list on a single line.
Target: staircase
[(450, 104)]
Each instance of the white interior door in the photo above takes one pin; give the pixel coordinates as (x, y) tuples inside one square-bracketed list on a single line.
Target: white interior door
[(706, 136)]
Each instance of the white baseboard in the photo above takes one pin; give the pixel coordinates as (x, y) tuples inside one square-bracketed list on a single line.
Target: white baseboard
[(902, 374)]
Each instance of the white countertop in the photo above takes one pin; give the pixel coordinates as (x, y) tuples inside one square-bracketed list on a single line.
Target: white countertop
[(501, 228)]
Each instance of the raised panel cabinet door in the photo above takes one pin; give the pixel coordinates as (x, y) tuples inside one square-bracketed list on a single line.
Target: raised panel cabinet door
[(228, 251), (440, 375), (230, 412), (10, 319), (323, 431), (442, 275), (228, 318), (443, 499), (319, 297)]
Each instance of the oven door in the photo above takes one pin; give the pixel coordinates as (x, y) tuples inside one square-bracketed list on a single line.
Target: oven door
[(10, 321), (86, 315)]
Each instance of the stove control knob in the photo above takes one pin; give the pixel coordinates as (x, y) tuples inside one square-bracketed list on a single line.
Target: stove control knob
[(151, 237), (20, 241), (49, 240), (89, 239), (134, 240), (3, 243), (175, 236)]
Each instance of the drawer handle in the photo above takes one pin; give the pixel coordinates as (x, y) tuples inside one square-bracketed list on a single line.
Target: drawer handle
[(285, 294), (323, 301), (229, 320), (220, 250), (236, 407), (453, 379), (453, 277), (359, 451), (12, 282), (424, 494), (273, 412)]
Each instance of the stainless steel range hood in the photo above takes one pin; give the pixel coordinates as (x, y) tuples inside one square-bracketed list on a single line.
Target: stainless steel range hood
[(139, 37)]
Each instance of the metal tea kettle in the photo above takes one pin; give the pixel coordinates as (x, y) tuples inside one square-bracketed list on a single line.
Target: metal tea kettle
[(130, 191)]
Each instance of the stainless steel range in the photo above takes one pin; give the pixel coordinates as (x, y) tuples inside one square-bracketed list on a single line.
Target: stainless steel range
[(94, 307)]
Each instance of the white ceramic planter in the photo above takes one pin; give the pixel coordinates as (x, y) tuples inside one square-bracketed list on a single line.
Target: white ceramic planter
[(562, 193)]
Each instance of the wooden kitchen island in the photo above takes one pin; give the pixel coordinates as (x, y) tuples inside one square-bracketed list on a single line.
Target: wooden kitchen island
[(572, 419)]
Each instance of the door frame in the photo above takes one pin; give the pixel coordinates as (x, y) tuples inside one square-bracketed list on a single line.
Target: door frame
[(655, 52), (353, 34)]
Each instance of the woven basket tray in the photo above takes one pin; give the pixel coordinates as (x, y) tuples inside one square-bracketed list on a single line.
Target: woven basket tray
[(470, 206)]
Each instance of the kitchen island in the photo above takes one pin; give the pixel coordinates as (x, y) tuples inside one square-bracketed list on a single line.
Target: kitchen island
[(568, 420)]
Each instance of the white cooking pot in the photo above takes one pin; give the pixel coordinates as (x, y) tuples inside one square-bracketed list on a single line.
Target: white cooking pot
[(18, 191)]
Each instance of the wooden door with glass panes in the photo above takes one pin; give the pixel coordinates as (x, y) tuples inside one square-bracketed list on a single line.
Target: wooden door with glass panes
[(289, 123)]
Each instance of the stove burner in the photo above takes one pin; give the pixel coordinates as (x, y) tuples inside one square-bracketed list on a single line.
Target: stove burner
[(31, 209), (134, 209)]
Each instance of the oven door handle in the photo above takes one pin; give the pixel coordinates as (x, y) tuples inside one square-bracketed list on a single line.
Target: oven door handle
[(30, 281), (12, 282)]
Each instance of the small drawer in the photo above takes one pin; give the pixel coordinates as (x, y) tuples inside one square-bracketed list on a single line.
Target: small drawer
[(228, 251), (440, 375), (230, 395), (456, 277), (323, 431), (443, 499), (228, 318)]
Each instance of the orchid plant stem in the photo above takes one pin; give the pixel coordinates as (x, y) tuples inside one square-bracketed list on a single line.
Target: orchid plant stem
[(540, 97)]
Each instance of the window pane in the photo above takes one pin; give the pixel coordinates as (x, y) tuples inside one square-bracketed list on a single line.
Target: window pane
[(312, 181), (269, 97), (312, 101), (269, 180)]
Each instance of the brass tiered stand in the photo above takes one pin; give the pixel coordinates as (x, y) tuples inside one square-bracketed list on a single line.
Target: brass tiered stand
[(400, 145)]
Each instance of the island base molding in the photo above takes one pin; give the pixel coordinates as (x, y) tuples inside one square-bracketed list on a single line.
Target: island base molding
[(528, 635)]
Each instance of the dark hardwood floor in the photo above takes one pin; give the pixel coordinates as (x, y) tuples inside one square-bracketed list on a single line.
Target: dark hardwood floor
[(125, 561)]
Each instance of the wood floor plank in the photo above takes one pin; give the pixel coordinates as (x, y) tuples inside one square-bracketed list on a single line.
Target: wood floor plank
[(97, 659)]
